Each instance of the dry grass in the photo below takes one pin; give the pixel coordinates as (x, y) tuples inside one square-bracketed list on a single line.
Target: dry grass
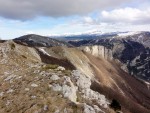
[(116, 84), (35, 98), (49, 66)]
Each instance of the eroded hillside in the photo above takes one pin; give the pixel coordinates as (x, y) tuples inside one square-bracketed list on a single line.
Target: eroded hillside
[(30, 84), (134, 56)]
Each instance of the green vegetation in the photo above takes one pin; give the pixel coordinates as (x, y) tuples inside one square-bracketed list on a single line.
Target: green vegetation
[(75, 108), (50, 66), (79, 98), (115, 105), (12, 46), (24, 56), (67, 72)]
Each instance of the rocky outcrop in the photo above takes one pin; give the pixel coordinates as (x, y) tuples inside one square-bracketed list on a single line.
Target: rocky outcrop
[(98, 50), (140, 65), (141, 37), (82, 86), (133, 56)]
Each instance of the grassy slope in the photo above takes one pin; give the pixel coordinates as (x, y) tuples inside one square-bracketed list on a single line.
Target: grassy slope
[(113, 82), (116, 84)]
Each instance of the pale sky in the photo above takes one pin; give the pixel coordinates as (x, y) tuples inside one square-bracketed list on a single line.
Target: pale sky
[(57, 17)]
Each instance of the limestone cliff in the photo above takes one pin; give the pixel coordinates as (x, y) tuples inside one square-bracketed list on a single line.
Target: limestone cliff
[(98, 51)]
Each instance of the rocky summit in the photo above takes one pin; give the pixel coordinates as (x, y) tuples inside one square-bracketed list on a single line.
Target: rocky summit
[(103, 75), (41, 41)]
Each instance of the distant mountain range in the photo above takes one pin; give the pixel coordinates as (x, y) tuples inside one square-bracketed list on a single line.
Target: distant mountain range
[(87, 73), (99, 34), (84, 36), (130, 48)]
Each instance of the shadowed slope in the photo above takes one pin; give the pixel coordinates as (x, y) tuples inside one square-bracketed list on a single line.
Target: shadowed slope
[(116, 84)]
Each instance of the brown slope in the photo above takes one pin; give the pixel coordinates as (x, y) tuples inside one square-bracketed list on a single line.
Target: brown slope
[(57, 61), (20, 67), (113, 81), (116, 84)]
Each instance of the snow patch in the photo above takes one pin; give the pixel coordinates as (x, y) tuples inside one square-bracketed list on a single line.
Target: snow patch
[(44, 52), (123, 34)]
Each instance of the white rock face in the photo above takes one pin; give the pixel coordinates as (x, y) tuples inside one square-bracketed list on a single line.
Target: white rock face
[(95, 50), (88, 109), (98, 51), (97, 109), (56, 87), (84, 83), (54, 77), (66, 90), (69, 90)]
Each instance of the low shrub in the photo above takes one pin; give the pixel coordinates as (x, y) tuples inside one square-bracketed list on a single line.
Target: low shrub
[(50, 66), (12, 46), (67, 72), (115, 105), (24, 56)]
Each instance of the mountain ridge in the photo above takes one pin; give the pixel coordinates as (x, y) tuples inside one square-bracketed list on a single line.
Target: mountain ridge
[(41, 41), (86, 78)]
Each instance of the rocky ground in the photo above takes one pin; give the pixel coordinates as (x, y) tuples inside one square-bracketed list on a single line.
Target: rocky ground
[(30, 86)]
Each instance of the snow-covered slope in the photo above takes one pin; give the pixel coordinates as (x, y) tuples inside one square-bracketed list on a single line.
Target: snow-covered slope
[(128, 33)]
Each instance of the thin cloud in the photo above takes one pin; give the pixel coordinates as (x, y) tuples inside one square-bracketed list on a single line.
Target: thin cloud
[(28, 9), (126, 15)]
